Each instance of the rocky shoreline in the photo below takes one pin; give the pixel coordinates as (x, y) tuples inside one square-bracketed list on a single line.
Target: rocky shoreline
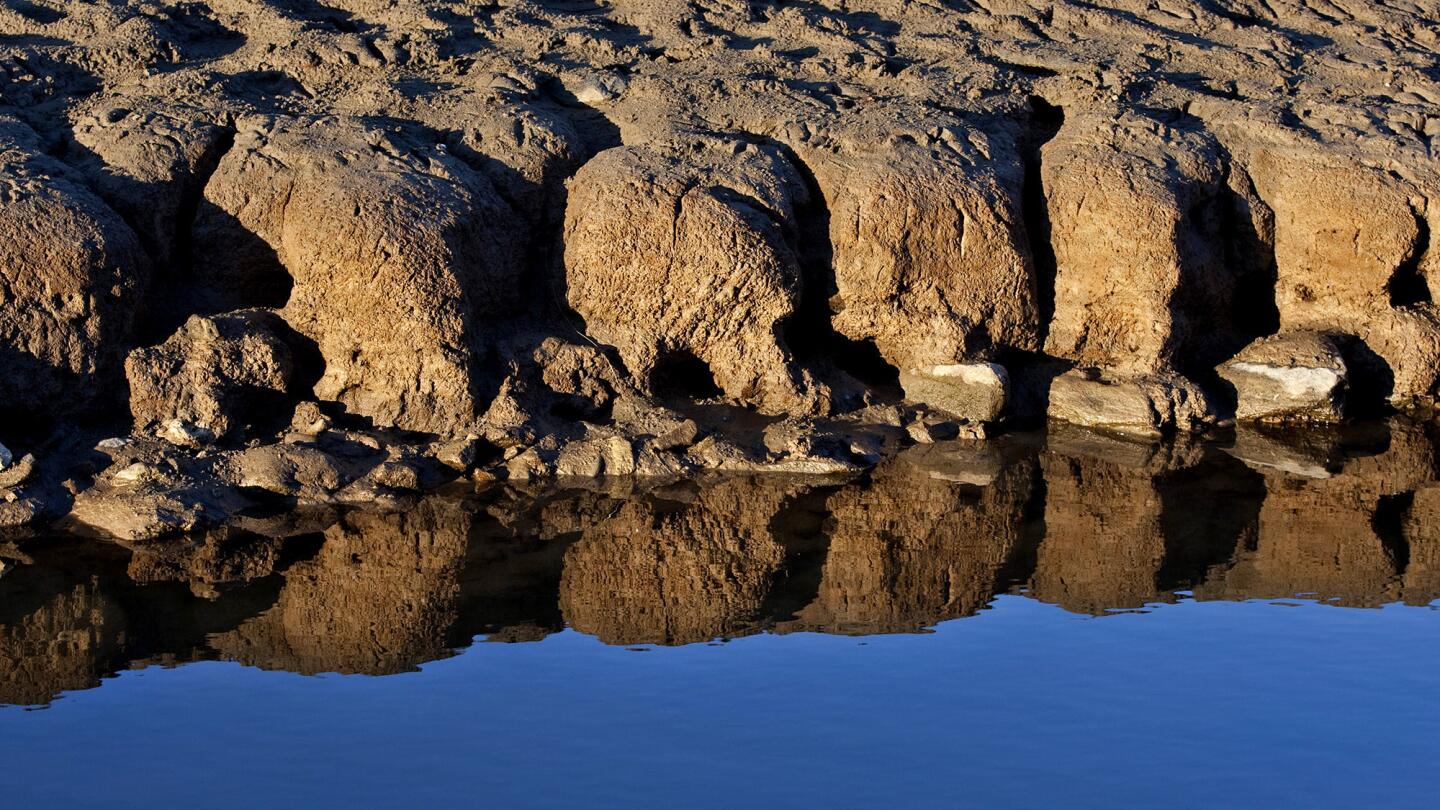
[(264, 251)]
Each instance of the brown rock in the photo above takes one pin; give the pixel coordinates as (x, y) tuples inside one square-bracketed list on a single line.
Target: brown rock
[(1141, 280), (72, 275), (683, 254), (930, 252), (1350, 240), (975, 392), (1147, 405), (429, 256), (221, 373), (1296, 377)]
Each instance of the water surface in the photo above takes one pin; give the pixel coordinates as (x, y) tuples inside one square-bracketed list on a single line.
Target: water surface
[(1078, 622)]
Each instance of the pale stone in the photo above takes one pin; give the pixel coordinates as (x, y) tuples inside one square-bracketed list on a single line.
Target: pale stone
[(975, 392), (1288, 378), (1150, 405)]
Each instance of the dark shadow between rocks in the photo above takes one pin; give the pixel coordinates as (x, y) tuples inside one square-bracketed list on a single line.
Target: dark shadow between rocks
[(1044, 124), (679, 374)]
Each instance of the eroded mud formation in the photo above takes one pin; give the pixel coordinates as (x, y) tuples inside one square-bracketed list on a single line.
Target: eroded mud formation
[(338, 252)]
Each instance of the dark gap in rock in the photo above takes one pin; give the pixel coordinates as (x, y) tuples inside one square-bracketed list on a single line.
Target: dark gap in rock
[(1371, 380), (1407, 286), (809, 332), (1044, 124), (1248, 228), (1031, 374), (680, 374), (182, 255), (1389, 525), (578, 409)]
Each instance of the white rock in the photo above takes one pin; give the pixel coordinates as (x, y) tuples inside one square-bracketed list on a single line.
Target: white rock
[(183, 434), (975, 392), (6, 457), (1292, 377)]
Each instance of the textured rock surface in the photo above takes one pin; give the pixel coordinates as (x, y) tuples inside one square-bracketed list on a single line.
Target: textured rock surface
[(977, 392), (684, 255), (1296, 377), (1135, 217), (72, 275), (1144, 405), (219, 373), (503, 221), (929, 248), (368, 220)]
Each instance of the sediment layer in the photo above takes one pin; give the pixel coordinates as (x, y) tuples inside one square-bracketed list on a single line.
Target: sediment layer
[(321, 249)]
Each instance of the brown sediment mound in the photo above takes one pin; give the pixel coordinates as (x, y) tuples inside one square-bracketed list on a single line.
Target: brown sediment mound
[(819, 208)]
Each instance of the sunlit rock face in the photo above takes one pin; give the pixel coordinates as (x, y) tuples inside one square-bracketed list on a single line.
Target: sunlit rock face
[(379, 596), (917, 546), (665, 572)]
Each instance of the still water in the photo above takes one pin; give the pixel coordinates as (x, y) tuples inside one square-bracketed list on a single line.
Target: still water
[(1069, 621)]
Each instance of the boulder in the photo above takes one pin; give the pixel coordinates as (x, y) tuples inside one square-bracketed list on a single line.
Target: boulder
[(1148, 405), (1294, 377), (974, 392), (1350, 242), (930, 254), (377, 221), (683, 258), (1136, 222), (220, 373), (72, 275)]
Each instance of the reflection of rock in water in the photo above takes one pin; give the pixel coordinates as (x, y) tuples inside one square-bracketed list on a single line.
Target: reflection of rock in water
[(1340, 538), (379, 596), (1103, 538), (1125, 527), (73, 616), (54, 635), (1421, 585), (666, 572), (931, 535), (206, 561), (918, 545)]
